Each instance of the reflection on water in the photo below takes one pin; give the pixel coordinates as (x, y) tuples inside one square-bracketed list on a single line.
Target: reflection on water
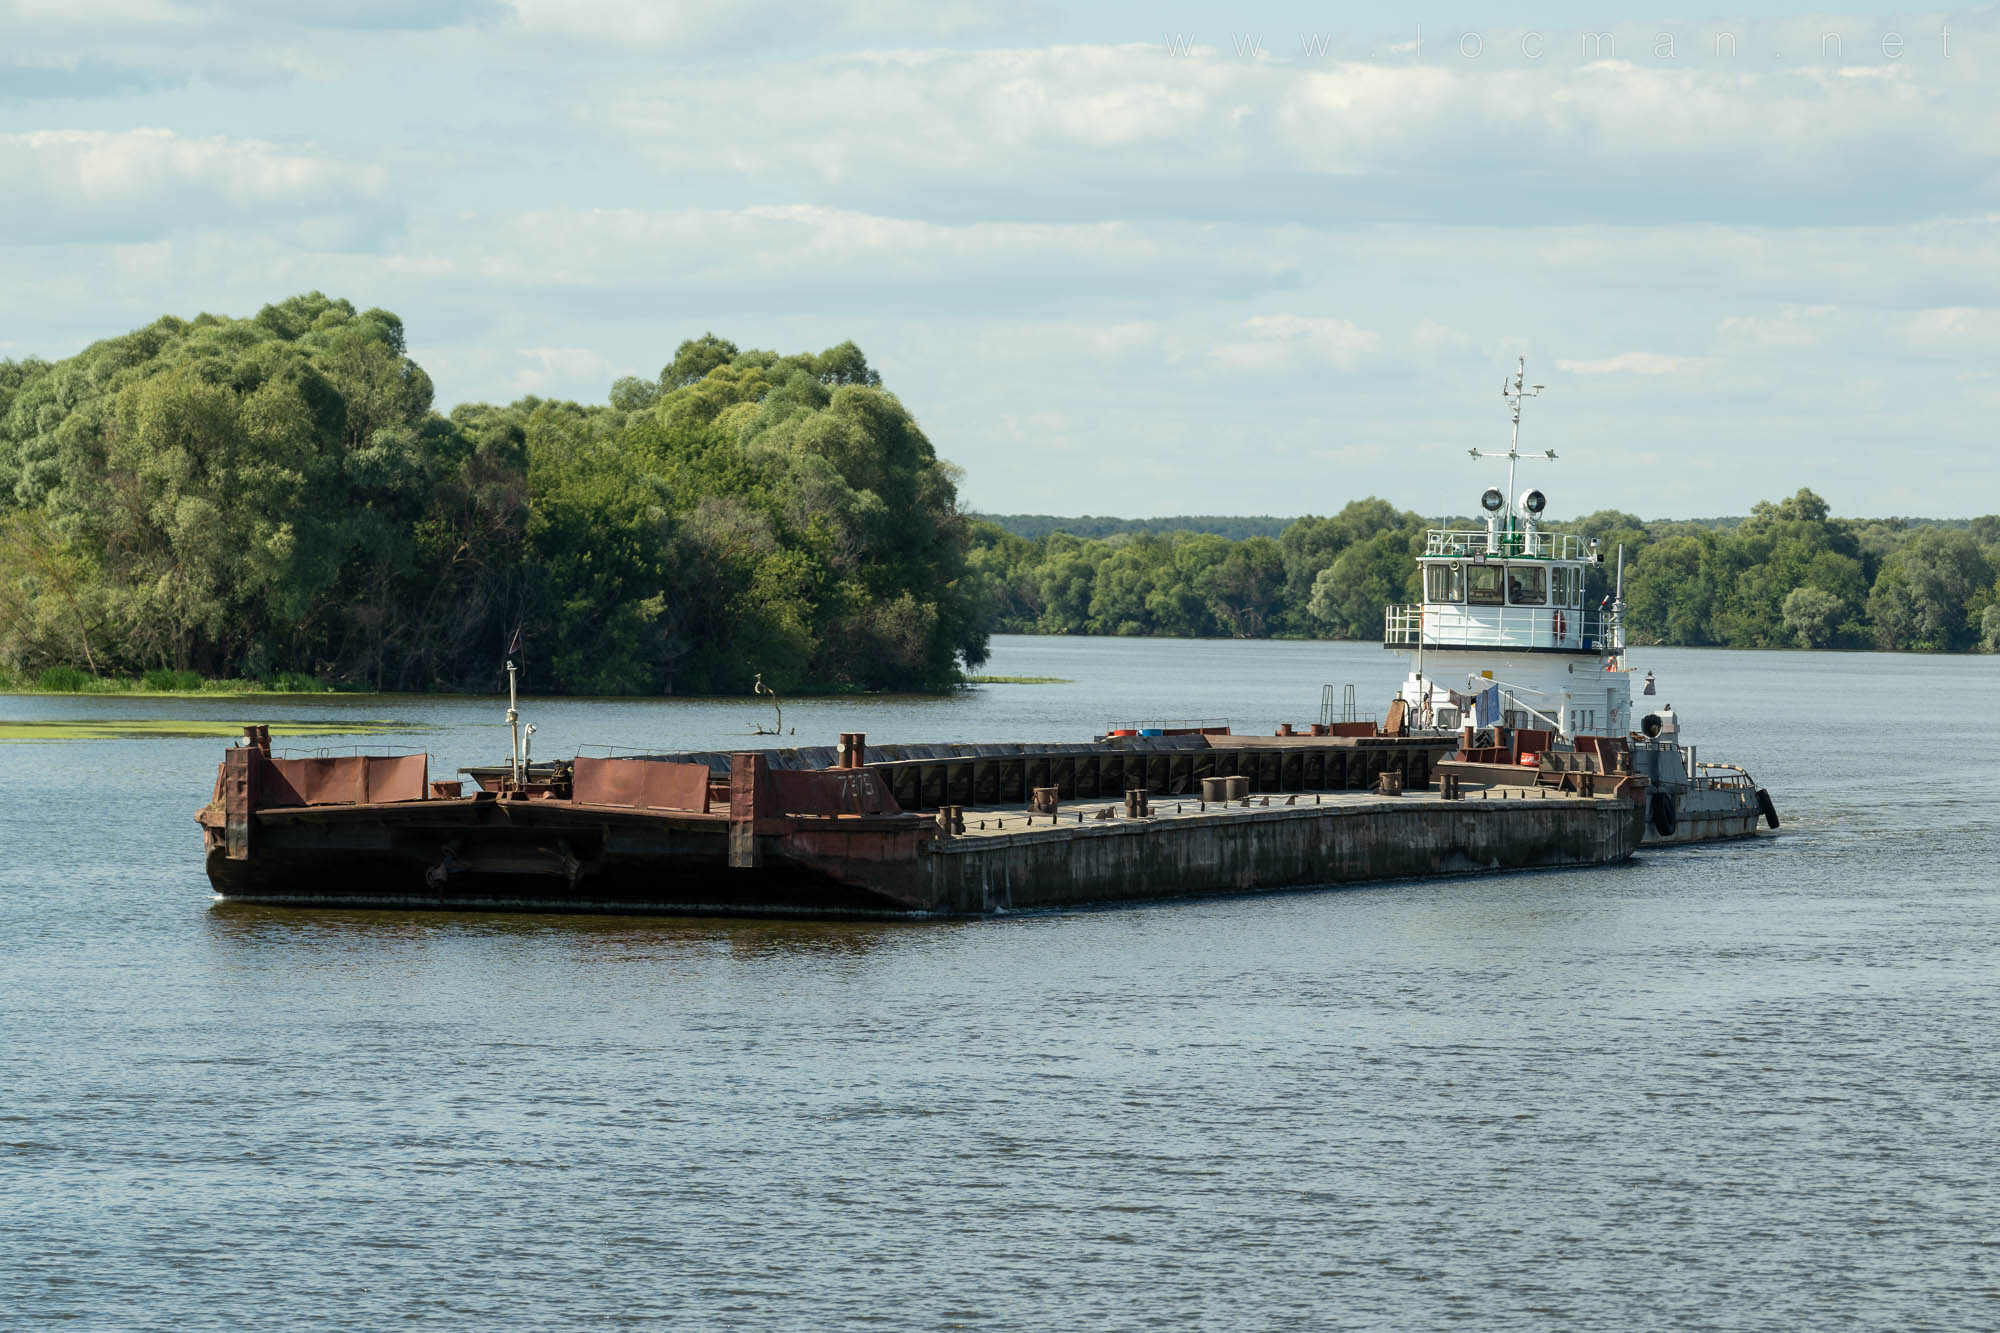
[(1742, 1085), (626, 936)]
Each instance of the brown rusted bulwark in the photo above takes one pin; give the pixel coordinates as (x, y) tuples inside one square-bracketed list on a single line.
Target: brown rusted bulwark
[(848, 791), (353, 779), (639, 784)]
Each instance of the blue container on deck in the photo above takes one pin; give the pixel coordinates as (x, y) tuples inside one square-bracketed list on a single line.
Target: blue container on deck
[(1152, 731)]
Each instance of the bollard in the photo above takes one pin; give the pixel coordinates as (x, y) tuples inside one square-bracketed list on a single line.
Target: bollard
[(1215, 789), (1046, 800)]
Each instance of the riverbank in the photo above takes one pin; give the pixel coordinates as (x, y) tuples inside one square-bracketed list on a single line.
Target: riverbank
[(60, 681), (160, 684)]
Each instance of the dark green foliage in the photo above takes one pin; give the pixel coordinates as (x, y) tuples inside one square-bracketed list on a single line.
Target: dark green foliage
[(276, 495)]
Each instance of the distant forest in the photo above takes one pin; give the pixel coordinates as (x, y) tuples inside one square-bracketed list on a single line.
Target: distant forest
[(278, 497), (1787, 575), (1093, 527)]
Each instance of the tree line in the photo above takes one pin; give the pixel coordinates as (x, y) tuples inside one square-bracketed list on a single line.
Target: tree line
[(1789, 575), (256, 498), (1234, 526), (246, 497)]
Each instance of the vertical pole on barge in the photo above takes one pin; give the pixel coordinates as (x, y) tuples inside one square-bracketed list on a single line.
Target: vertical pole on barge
[(1618, 607), (514, 726)]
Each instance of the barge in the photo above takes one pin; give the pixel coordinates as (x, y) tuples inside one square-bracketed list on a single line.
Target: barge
[(827, 833)]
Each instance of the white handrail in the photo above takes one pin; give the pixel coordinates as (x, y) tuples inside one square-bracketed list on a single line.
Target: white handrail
[(1467, 626)]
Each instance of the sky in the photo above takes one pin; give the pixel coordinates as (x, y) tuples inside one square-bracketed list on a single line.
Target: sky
[(1131, 259)]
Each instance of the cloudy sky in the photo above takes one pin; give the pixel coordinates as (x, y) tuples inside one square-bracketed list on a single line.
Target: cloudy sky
[(1138, 259)]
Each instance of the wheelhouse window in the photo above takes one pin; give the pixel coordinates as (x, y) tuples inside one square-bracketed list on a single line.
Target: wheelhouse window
[(1444, 583), (1559, 585), (1484, 584), (1527, 585)]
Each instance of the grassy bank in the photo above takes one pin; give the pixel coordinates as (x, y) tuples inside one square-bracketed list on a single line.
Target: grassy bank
[(124, 729), (164, 684), (158, 683)]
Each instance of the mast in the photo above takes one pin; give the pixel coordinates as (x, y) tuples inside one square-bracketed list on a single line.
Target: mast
[(1618, 605), (1515, 390), (513, 725)]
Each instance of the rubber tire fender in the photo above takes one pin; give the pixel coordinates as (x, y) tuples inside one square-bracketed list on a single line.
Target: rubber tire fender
[(1665, 820), (1770, 810)]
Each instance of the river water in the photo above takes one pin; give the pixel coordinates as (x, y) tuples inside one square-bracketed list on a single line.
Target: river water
[(1745, 1086)]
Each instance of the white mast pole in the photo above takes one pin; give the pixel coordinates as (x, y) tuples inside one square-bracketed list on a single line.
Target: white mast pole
[(1514, 390), (1618, 606), (1514, 439), (514, 725)]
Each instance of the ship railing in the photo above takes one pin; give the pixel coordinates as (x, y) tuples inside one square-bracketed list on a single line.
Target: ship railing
[(1467, 543), (1187, 726), (1576, 628)]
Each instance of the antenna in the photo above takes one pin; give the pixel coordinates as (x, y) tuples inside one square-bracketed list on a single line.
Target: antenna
[(1515, 391)]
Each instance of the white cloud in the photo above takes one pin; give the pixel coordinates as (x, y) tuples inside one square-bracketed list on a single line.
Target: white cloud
[(546, 370), (1952, 330), (1081, 130), (144, 182), (753, 26), (1788, 327), (1632, 363), (1290, 342)]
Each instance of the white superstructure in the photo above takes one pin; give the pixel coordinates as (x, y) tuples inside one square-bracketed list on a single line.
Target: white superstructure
[(1504, 634)]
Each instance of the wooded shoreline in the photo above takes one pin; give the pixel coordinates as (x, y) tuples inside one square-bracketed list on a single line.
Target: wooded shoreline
[(274, 502)]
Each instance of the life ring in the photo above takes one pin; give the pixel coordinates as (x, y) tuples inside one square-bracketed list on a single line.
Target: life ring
[(1665, 820), (1562, 626), (1770, 810)]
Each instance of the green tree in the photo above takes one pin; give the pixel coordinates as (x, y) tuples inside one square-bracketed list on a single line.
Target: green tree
[(1931, 593), (1349, 597), (1812, 616)]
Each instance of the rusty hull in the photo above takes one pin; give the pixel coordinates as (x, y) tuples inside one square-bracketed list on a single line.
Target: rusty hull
[(660, 836)]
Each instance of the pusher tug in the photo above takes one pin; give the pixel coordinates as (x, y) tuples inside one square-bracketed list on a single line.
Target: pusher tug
[(1507, 652)]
